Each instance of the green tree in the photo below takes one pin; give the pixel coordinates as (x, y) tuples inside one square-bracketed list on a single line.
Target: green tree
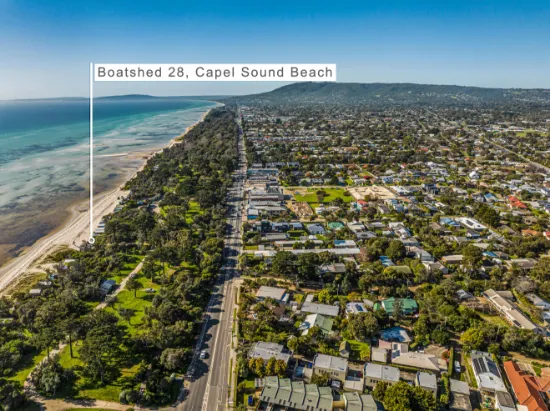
[(472, 257), (293, 344), (283, 263), (48, 376), (149, 268), (126, 314), (173, 359), (380, 391), (259, 367), (101, 350), (396, 250), (320, 379), (325, 296), (280, 368), (134, 285), (270, 366)]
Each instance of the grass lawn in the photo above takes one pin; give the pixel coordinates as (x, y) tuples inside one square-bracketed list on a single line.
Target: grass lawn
[(332, 194), (28, 363), (296, 233), (85, 389), (249, 387), (26, 282), (126, 299), (194, 209), (111, 391), (249, 382), (128, 267), (359, 350), (494, 319)]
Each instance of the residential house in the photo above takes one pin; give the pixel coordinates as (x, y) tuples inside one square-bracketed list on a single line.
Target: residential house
[(408, 305), (375, 373), (435, 267), (455, 259), (345, 244), (354, 401), (315, 229), (265, 351), (530, 391), (335, 268), (324, 309), (294, 395), (486, 373), (538, 302), (316, 320), (378, 354), (355, 308), (335, 225), (426, 381), (504, 401), (420, 253), (335, 367), (422, 361), (523, 263), (278, 294), (460, 396), (509, 311)]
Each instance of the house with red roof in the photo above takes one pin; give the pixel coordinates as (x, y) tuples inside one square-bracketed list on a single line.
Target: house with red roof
[(530, 391), (514, 202)]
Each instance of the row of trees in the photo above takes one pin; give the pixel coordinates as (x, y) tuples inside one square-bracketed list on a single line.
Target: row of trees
[(191, 244)]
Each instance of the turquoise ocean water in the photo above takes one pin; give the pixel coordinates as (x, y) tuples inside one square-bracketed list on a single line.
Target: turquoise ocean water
[(44, 161)]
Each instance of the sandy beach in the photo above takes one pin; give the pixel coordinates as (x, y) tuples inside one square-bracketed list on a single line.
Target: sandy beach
[(76, 228)]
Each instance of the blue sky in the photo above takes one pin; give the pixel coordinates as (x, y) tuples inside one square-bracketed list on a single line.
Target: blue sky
[(46, 46)]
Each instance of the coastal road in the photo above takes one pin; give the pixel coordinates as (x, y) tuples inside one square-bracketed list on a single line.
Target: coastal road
[(208, 383)]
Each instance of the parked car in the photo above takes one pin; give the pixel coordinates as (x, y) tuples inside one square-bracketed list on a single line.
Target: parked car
[(203, 355), (457, 367)]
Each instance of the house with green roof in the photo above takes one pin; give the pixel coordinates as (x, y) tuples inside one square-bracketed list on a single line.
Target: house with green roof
[(408, 305), (316, 320), (335, 225)]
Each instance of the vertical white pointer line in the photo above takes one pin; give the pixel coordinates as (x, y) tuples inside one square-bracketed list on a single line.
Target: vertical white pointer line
[(91, 152)]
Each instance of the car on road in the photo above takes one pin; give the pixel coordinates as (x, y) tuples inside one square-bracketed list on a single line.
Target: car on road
[(203, 355)]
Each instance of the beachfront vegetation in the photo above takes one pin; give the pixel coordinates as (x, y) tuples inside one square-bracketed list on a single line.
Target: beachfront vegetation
[(125, 345)]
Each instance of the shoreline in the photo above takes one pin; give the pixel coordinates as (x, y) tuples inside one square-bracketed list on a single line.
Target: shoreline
[(75, 228)]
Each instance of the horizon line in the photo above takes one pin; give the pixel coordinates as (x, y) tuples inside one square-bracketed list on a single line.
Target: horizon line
[(237, 95)]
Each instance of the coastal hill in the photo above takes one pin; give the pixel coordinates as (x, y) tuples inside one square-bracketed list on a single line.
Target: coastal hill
[(398, 93)]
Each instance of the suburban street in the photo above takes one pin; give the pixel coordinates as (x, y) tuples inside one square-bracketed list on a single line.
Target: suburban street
[(207, 386)]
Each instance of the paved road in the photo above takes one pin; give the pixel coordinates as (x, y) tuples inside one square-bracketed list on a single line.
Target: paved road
[(208, 389)]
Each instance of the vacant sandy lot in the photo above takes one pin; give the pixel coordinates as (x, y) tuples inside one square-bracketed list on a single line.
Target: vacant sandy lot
[(376, 192)]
